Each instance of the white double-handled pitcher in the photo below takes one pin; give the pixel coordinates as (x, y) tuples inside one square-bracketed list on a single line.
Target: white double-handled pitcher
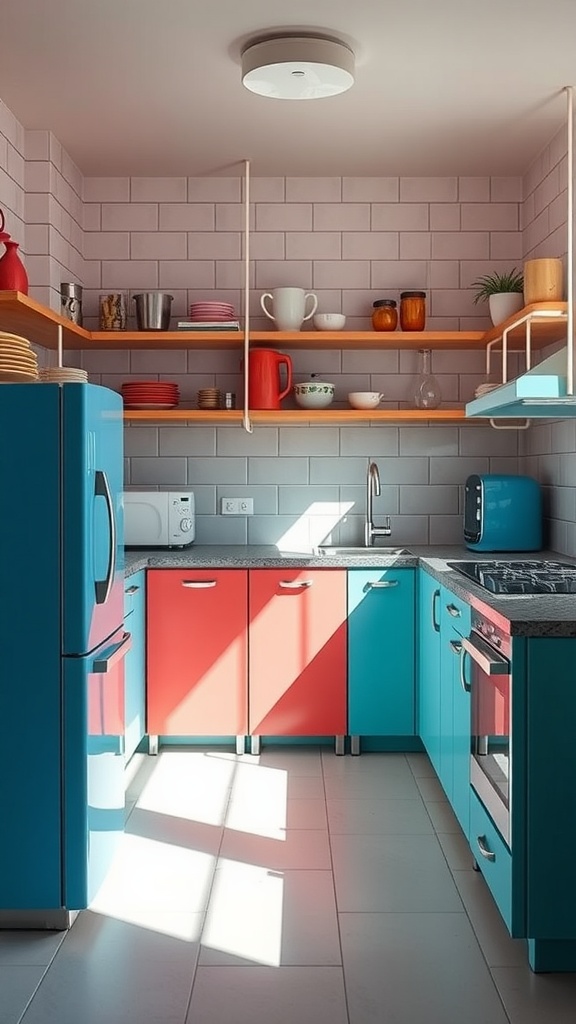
[(289, 307)]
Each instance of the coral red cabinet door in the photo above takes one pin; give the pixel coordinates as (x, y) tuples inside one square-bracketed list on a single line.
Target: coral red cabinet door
[(197, 652), (297, 656)]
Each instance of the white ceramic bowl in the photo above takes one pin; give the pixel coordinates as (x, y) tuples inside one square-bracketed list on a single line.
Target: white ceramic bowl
[(329, 321), (365, 399), (313, 394)]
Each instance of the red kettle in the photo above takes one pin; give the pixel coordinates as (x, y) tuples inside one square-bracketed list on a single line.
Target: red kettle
[(264, 386), (13, 276)]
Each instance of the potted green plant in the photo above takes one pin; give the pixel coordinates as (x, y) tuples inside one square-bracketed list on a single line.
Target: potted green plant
[(504, 293)]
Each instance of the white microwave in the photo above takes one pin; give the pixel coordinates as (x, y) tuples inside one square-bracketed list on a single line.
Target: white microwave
[(159, 519)]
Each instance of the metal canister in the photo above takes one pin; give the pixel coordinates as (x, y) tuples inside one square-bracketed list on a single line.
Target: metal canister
[(71, 301), (229, 400)]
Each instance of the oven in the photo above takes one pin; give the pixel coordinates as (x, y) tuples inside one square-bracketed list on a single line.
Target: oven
[(489, 649)]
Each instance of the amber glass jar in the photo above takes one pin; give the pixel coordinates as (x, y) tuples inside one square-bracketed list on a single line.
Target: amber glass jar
[(412, 311), (384, 315)]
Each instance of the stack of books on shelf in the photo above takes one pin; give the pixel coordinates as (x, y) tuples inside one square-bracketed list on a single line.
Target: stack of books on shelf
[(208, 325)]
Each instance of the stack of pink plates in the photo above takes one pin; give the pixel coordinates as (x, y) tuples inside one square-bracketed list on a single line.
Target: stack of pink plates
[(150, 394), (215, 312)]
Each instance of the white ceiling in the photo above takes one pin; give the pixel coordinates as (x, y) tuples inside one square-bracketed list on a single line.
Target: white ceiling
[(153, 87)]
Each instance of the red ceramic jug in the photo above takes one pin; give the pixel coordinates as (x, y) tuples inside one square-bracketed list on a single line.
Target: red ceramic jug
[(13, 276), (264, 386)]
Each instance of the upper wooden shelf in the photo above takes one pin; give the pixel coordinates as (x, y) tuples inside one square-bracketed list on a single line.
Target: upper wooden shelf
[(549, 328), (20, 314)]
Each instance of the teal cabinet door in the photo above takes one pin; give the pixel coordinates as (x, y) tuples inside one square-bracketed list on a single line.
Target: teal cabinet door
[(454, 705), (381, 652), (135, 662), (428, 666)]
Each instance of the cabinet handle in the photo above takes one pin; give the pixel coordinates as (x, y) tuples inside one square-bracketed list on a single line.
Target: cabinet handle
[(382, 583), (435, 623), (131, 590), (453, 611), (483, 847), (114, 654), (295, 584), (198, 584), (456, 646), (465, 684)]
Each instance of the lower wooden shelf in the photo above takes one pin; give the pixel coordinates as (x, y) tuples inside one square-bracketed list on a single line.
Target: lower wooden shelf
[(295, 416)]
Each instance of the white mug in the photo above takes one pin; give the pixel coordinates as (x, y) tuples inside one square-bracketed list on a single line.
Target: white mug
[(289, 307)]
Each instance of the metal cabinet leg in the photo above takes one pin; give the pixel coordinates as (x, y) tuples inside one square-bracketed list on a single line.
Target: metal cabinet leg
[(153, 745), (354, 744), (255, 745), (339, 745), (240, 744)]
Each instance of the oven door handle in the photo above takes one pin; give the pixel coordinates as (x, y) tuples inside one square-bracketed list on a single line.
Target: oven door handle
[(491, 663)]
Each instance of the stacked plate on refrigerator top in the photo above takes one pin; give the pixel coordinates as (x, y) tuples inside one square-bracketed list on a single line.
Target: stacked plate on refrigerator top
[(18, 361), (62, 375), (150, 394)]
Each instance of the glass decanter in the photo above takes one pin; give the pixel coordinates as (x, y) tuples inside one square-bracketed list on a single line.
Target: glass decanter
[(427, 394)]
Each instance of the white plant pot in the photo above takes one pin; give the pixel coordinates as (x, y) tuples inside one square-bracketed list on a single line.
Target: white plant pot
[(503, 305)]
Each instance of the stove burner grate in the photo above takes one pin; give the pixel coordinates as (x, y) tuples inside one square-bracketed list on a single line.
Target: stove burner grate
[(520, 577)]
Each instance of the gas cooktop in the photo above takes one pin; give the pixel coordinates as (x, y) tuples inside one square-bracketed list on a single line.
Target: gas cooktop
[(521, 577)]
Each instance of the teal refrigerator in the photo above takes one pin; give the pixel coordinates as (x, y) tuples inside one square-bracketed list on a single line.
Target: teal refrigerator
[(63, 643)]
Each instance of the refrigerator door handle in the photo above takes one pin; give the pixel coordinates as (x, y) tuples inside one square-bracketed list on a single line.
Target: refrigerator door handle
[(113, 655), (102, 490)]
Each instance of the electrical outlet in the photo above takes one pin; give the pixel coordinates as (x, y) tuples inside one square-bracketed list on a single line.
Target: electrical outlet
[(237, 506)]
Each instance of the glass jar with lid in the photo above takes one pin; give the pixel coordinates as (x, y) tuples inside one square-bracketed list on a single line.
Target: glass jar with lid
[(412, 311), (384, 315)]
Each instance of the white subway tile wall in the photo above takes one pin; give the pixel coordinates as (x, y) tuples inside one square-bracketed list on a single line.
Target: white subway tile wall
[(351, 240), (309, 482), (548, 449)]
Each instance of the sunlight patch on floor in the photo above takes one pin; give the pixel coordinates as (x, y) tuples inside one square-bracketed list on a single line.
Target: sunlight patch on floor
[(148, 875), (189, 785), (258, 801), (245, 914)]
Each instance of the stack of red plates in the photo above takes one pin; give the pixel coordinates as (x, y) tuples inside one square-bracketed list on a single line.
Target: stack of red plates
[(216, 312), (150, 394)]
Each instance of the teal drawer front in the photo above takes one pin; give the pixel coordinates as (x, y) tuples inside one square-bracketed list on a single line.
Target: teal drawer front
[(133, 592), (492, 856), (135, 663)]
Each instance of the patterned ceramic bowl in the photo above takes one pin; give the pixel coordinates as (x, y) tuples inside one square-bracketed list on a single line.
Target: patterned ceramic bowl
[(313, 394)]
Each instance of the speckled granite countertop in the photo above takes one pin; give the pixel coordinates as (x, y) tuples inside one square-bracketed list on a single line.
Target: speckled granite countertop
[(530, 615)]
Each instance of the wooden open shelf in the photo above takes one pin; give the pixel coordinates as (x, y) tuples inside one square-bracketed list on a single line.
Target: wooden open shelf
[(22, 315), (544, 332), (295, 416), (19, 314)]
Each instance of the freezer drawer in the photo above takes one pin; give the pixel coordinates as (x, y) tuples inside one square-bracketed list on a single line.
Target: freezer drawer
[(92, 768)]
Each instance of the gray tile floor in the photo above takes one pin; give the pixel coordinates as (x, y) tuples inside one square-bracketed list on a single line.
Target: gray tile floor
[(293, 887)]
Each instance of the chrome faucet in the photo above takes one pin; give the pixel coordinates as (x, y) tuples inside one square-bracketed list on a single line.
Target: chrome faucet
[(373, 491)]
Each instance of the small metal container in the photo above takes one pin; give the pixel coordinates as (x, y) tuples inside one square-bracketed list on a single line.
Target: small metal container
[(153, 311), (71, 301), (229, 400)]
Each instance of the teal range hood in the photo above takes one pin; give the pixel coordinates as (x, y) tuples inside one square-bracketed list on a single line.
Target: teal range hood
[(539, 393)]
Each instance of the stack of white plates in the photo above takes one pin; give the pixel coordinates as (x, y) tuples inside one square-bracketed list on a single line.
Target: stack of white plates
[(483, 389), (18, 361), (63, 375)]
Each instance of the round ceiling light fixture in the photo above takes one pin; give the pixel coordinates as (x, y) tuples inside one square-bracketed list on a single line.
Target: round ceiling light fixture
[(297, 67)]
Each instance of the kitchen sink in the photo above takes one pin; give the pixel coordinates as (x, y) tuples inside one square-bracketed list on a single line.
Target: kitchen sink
[(328, 549)]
